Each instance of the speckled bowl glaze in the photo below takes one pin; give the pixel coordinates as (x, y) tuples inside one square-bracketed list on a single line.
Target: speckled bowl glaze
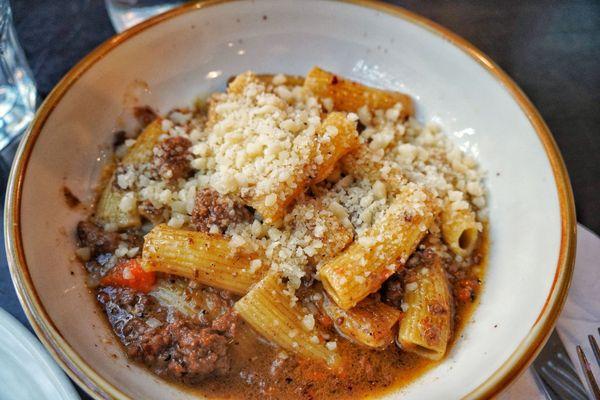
[(192, 51)]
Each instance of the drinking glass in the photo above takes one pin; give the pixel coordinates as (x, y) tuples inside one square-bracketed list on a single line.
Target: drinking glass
[(18, 94), (126, 13)]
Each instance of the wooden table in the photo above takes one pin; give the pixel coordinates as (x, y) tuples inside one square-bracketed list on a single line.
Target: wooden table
[(550, 48)]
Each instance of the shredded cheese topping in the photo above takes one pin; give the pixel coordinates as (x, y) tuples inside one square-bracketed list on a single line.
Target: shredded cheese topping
[(259, 136)]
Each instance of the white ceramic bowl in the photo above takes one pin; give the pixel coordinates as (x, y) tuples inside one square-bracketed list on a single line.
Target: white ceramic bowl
[(191, 51)]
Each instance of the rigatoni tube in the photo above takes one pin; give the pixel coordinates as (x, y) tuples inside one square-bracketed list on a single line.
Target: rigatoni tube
[(337, 136), (370, 323), (362, 268), (426, 326), (113, 207), (273, 315), (205, 258), (110, 211), (350, 96), (460, 230)]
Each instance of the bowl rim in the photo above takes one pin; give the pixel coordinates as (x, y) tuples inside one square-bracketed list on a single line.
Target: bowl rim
[(98, 387)]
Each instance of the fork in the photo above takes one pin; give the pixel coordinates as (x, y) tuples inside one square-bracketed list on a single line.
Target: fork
[(555, 373), (585, 365)]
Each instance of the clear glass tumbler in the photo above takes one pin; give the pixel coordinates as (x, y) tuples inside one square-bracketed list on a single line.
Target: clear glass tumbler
[(18, 94), (126, 13)]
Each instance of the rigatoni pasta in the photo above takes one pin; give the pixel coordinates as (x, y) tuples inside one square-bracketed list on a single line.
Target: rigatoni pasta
[(205, 258), (370, 323), (330, 235), (289, 238), (426, 326), (362, 268), (460, 230), (272, 206), (337, 136), (347, 95), (361, 164), (115, 205), (109, 210), (309, 157), (274, 315), (142, 149)]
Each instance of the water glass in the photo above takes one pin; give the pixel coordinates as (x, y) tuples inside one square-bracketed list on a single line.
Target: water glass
[(18, 94), (126, 13)]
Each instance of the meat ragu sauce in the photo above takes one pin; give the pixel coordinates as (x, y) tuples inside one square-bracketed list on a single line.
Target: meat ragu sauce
[(220, 356), (200, 336), (257, 372)]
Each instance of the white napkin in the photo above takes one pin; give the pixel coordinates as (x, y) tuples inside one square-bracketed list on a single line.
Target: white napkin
[(579, 318)]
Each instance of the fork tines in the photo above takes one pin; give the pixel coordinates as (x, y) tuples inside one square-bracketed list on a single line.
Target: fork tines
[(585, 365), (594, 345)]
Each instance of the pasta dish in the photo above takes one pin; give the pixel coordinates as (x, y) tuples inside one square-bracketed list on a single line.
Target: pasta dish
[(291, 237)]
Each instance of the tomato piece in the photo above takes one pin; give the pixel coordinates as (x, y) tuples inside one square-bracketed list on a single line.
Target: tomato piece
[(130, 273)]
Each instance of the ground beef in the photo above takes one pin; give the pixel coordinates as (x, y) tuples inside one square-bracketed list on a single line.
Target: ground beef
[(213, 209), (182, 351), (172, 158), (225, 323), (173, 345), (127, 311), (97, 239), (144, 115)]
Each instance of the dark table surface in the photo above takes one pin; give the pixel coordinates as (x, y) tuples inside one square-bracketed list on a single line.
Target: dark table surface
[(550, 48)]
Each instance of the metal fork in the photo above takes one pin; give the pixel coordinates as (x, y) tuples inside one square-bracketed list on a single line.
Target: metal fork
[(585, 365), (556, 374)]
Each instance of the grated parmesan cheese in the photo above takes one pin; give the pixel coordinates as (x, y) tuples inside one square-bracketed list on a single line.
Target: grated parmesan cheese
[(308, 322), (256, 142)]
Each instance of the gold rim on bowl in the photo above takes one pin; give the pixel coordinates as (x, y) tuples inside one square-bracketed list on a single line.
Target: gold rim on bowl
[(98, 387)]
